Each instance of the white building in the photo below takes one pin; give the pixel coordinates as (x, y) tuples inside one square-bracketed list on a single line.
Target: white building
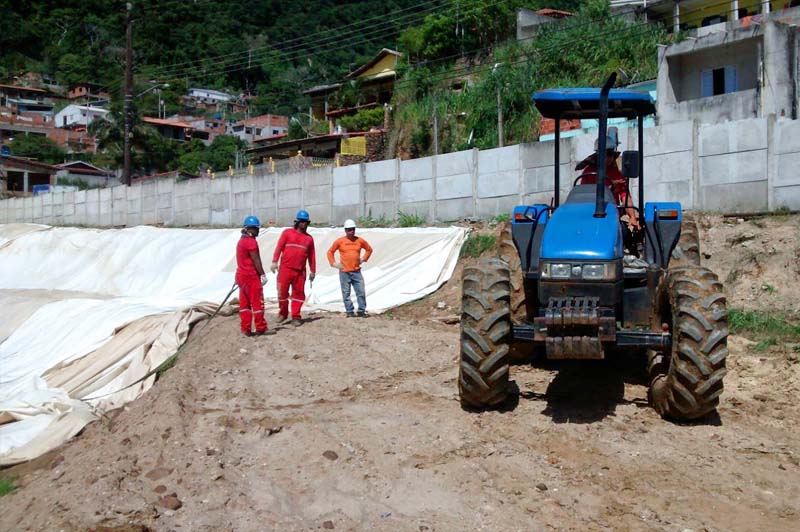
[(209, 95), (78, 115)]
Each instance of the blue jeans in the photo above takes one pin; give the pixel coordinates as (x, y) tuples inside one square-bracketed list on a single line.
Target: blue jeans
[(357, 280)]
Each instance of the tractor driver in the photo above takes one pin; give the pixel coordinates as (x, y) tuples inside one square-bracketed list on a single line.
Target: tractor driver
[(614, 178)]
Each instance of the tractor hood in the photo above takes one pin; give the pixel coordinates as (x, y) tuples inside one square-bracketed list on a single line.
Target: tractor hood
[(574, 233)]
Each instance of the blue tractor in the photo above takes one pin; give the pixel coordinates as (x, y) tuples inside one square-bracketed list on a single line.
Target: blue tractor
[(590, 278)]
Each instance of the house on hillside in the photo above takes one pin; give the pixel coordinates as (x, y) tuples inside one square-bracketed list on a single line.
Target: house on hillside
[(698, 17), (87, 92), (374, 81), (78, 116), (81, 170), (21, 174), (177, 130), (26, 99), (528, 20), (259, 127), (733, 70), (209, 96)]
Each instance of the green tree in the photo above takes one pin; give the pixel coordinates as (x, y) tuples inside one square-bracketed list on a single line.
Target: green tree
[(38, 147)]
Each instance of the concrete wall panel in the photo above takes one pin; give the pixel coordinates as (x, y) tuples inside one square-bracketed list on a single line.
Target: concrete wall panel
[(787, 167), (415, 191), (457, 163), (346, 195), (498, 205), (787, 197), (498, 184), (729, 137), (347, 175), (454, 209), (454, 186), (735, 197), (380, 192), (738, 167), (381, 171), (416, 169)]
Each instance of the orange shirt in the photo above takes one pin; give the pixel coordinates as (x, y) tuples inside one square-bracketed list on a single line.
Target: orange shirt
[(350, 253)]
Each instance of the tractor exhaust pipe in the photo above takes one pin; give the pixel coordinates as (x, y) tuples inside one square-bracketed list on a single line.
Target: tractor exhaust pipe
[(599, 203)]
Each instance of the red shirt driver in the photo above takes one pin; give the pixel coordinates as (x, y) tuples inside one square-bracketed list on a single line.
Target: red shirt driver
[(295, 247), (251, 278)]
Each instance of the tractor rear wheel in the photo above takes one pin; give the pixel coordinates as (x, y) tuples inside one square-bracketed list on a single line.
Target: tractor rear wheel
[(485, 330), (686, 383), (508, 252), (687, 251)]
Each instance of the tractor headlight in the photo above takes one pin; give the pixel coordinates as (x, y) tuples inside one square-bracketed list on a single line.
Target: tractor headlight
[(556, 270), (593, 271)]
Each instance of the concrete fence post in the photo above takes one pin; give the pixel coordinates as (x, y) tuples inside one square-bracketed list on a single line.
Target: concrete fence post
[(697, 200), (230, 199), (396, 206), (362, 189), (434, 195), (275, 194), (474, 182), (771, 163)]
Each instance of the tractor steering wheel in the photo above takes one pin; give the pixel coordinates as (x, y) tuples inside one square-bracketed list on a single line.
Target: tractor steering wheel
[(586, 174)]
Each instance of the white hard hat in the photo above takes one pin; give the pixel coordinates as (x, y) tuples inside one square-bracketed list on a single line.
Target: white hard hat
[(349, 224)]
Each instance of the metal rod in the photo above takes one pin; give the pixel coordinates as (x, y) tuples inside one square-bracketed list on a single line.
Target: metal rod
[(641, 166), (126, 165), (557, 168), (599, 204)]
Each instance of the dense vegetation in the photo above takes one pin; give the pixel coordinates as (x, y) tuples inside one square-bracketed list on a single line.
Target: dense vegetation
[(577, 51), (457, 55)]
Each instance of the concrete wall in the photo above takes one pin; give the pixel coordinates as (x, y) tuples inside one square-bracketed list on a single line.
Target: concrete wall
[(738, 166)]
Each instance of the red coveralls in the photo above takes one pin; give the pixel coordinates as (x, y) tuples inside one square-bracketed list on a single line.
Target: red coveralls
[(251, 293), (297, 248)]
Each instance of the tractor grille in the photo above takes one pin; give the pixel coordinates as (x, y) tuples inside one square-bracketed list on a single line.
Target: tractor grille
[(574, 327)]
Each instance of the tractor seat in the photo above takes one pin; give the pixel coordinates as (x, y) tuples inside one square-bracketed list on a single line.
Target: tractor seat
[(586, 194)]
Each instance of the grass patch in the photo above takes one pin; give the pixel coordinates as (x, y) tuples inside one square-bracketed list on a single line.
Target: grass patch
[(768, 328), (476, 245), (405, 219), (500, 218), (6, 486), (370, 221), (167, 365)]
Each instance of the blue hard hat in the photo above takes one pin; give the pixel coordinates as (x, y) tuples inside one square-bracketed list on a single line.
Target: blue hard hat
[(302, 216), (251, 221)]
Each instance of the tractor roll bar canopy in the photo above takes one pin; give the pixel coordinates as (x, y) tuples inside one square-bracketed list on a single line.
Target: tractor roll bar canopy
[(601, 104), (568, 104)]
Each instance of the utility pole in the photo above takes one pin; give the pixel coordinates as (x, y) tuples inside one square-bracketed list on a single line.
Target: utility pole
[(435, 130), (126, 168), (499, 119)]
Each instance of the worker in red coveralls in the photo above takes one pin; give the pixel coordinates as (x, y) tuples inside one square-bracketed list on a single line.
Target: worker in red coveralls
[(294, 248), (251, 279)]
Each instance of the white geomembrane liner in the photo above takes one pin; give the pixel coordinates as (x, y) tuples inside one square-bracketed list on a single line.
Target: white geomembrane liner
[(85, 312)]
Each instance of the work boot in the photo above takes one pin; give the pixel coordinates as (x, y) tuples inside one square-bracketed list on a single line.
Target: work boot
[(268, 332), (247, 333), (362, 314), (351, 314), (282, 319), (297, 323)]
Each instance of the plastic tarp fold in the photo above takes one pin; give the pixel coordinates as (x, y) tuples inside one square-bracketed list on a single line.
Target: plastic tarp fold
[(86, 312)]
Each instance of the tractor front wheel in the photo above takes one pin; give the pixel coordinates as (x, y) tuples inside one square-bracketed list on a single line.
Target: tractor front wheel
[(687, 251), (687, 382), (485, 331)]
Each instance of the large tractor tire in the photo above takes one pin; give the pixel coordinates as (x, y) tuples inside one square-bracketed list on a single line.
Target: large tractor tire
[(687, 382), (485, 330), (508, 253), (687, 251)]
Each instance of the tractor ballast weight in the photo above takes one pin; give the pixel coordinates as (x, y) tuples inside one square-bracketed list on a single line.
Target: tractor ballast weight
[(565, 282)]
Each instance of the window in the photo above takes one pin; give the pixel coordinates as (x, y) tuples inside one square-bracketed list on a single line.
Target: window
[(276, 132), (716, 81)]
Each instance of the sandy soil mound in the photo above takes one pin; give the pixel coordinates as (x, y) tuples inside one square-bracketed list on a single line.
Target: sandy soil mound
[(354, 424)]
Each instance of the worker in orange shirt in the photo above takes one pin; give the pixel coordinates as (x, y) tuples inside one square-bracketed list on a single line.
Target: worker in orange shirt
[(349, 266)]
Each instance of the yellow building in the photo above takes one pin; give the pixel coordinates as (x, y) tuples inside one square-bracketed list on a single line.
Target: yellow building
[(368, 86)]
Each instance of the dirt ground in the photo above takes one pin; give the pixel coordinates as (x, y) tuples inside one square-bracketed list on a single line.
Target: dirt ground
[(355, 424)]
